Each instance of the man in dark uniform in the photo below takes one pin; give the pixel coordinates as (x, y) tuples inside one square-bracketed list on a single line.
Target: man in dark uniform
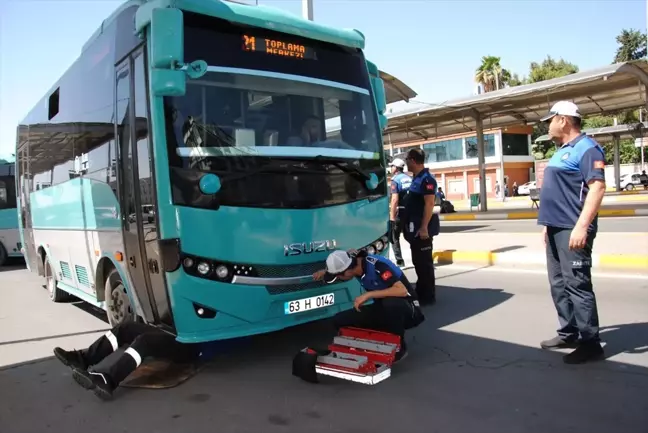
[(570, 197), (420, 223), (400, 183), (395, 307), (139, 341)]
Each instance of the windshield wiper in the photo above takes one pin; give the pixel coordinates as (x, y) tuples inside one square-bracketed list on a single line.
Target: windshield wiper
[(321, 159)]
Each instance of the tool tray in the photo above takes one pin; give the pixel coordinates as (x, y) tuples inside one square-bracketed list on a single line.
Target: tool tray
[(359, 355)]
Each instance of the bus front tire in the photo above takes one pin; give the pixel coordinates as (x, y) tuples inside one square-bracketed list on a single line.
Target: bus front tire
[(118, 305)]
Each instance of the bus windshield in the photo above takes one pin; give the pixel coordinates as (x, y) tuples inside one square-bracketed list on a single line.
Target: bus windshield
[(269, 96)]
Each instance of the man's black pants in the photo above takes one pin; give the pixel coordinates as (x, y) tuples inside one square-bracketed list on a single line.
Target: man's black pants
[(394, 238), (139, 341), (393, 315), (570, 277), (424, 266)]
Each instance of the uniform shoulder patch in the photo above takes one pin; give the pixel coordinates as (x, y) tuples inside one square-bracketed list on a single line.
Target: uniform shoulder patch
[(599, 164), (429, 186), (386, 275)]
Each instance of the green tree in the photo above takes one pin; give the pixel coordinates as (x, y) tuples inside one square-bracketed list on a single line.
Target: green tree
[(632, 46), (491, 75)]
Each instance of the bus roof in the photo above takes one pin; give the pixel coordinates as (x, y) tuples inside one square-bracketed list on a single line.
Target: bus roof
[(257, 16)]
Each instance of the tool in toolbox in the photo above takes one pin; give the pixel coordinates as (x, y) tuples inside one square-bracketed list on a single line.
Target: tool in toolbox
[(356, 354)]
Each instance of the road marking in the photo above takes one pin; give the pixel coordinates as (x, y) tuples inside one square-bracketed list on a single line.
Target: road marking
[(595, 274)]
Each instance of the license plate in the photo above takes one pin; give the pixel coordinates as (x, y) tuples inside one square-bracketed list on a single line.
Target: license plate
[(307, 304)]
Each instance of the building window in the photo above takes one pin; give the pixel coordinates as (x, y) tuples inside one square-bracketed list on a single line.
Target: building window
[(489, 146), (515, 144), (447, 150)]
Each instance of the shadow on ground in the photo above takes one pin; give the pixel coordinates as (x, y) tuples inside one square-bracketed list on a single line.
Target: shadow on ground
[(451, 382)]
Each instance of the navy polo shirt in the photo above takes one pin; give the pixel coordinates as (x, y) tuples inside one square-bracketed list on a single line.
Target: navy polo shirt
[(381, 273), (400, 183), (565, 184), (422, 184)]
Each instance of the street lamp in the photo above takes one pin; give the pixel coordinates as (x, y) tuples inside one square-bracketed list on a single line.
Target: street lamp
[(307, 9)]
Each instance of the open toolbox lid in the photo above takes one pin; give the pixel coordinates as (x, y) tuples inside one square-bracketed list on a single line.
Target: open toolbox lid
[(359, 355)]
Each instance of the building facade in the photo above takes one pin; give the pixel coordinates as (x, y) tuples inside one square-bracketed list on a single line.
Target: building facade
[(453, 160)]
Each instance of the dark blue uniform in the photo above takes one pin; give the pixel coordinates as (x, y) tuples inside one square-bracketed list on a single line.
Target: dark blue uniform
[(414, 204), (391, 314), (400, 183), (563, 193)]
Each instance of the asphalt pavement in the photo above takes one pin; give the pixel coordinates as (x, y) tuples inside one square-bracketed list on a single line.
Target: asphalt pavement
[(474, 365), (606, 225)]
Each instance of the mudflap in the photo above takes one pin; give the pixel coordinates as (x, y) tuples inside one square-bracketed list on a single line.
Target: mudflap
[(160, 374), (358, 355)]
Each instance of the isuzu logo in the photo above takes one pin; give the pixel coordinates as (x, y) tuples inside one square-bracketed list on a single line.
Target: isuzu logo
[(310, 247)]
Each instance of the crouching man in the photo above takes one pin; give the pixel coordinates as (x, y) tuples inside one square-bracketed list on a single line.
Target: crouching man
[(395, 307), (139, 341)]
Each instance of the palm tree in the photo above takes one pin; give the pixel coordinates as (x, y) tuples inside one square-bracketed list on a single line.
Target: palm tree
[(491, 75)]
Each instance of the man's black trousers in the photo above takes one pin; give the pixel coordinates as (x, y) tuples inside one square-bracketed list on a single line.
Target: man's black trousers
[(424, 266), (139, 341), (570, 277), (393, 315)]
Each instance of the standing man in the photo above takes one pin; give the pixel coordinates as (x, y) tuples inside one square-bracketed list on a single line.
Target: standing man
[(400, 183), (420, 223), (571, 195), (395, 307)]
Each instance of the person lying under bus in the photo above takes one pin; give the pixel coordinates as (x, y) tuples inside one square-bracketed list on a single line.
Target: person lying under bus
[(395, 307), (139, 340)]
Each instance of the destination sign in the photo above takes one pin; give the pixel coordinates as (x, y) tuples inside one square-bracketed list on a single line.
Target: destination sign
[(277, 47)]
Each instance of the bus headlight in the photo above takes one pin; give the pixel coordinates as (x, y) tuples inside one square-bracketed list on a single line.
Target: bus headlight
[(188, 262), (222, 272), (379, 245), (203, 268), (371, 249)]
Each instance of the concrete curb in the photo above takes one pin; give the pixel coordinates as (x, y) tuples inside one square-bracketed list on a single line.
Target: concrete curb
[(637, 262), (526, 215)]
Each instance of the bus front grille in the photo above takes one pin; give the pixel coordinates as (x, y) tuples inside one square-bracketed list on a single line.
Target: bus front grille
[(291, 288), (278, 271)]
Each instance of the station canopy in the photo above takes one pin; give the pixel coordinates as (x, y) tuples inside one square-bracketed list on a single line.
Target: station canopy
[(395, 89), (604, 90)]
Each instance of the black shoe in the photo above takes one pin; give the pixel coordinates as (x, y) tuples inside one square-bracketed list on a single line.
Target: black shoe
[(588, 351), (96, 382), (427, 300), (400, 263), (72, 359), (559, 343), (402, 352)]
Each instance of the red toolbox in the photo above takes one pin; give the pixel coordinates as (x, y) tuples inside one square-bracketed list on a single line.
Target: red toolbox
[(358, 355)]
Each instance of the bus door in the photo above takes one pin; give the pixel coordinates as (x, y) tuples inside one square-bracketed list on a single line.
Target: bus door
[(129, 190), (24, 189)]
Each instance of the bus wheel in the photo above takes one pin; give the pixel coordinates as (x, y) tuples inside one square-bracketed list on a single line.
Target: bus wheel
[(118, 305), (55, 294), (3, 254)]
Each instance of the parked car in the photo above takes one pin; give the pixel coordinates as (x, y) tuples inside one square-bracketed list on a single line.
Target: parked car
[(629, 181), (525, 189)]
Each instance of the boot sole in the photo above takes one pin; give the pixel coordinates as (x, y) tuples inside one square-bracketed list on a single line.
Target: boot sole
[(560, 346), (88, 384)]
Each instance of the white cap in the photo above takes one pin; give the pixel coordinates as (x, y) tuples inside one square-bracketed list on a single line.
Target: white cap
[(397, 162), (336, 263), (562, 108)]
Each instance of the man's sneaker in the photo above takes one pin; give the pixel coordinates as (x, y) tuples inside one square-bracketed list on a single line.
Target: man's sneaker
[(97, 382), (559, 342), (400, 263), (72, 359), (588, 351)]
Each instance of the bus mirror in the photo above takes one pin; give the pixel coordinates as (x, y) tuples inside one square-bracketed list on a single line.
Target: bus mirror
[(165, 82), (382, 119), (378, 88), (167, 38)]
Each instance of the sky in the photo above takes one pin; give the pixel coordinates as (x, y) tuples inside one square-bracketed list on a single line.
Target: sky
[(434, 46)]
